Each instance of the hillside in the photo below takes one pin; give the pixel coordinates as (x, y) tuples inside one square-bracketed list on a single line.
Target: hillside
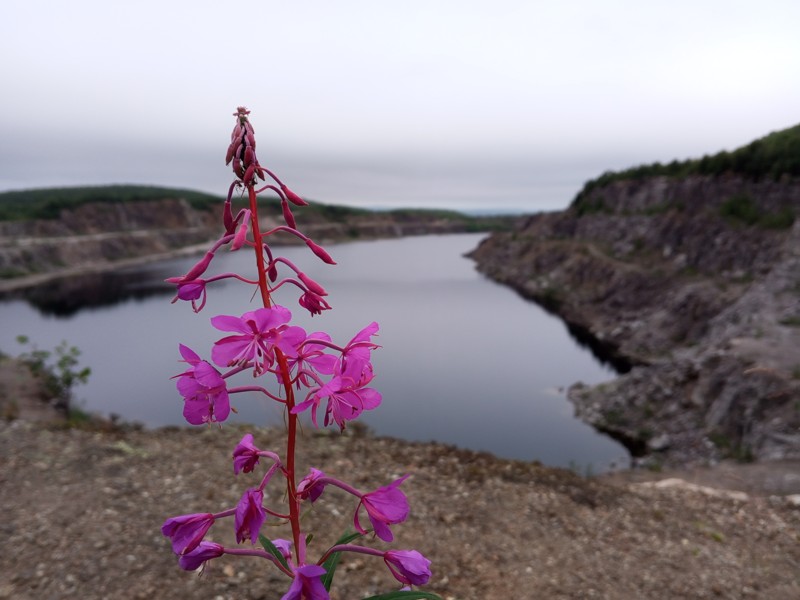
[(689, 281), (69, 230), (774, 156)]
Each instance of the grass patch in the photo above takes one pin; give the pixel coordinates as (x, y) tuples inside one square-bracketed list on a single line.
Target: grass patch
[(741, 208), (48, 203)]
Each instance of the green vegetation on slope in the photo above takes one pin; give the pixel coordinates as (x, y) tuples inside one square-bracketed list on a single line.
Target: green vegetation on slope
[(772, 156), (47, 203)]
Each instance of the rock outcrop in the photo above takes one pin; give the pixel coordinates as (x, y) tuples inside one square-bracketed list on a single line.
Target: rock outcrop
[(690, 286)]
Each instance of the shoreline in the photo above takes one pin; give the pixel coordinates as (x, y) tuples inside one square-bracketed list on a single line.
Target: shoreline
[(710, 338), (28, 281)]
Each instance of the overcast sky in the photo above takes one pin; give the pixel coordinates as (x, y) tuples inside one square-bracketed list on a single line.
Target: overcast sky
[(465, 104)]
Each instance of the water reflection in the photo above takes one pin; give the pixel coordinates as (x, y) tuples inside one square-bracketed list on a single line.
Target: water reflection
[(65, 296)]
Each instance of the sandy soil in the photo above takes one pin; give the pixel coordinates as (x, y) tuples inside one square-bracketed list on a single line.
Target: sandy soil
[(82, 509)]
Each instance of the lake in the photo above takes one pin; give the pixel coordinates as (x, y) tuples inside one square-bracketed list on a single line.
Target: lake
[(464, 361)]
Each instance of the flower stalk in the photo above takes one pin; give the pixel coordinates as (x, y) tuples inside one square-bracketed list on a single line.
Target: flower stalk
[(264, 342)]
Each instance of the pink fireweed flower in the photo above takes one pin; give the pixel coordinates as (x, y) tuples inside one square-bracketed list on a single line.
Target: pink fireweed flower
[(192, 290), (187, 531), (313, 303), (249, 516), (360, 347), (307, 584), (191, 287), (245, 455), (310, 487), (204, 551), (312, 357), (408, 566), (347, 395), (203, 389), (385, 506), (260, 332)]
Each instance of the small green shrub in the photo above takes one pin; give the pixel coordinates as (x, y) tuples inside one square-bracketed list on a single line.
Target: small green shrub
[(741, 207), (58, 369)]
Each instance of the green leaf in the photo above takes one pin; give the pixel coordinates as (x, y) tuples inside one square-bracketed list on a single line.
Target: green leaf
[(272, 549), (332, 561), (408, 595)]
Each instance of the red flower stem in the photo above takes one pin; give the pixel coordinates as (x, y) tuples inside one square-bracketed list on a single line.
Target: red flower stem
[(280, 357), (262, 271), (291, 485)]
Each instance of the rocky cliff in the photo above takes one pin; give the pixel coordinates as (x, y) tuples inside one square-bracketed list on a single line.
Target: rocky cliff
[(690, 284), (97, 234)]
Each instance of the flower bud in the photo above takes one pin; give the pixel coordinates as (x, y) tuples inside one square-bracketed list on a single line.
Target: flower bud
[(248, 174), (199, 268), (240, 237), (227, 217), (293, 198), (313, 303), (320, 252), (312, 285), (287, 214)]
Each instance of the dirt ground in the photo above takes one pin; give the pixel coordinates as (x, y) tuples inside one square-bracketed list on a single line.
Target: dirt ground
[(82, 509)]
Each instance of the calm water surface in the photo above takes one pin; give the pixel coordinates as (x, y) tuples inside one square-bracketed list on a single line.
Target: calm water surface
[(464, 361)]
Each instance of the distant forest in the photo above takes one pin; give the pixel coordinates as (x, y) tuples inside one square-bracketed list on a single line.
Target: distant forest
[(48, 203), (772, 156)]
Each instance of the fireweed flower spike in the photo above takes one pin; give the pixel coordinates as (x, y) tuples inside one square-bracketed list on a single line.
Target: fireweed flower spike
[(297, 366)]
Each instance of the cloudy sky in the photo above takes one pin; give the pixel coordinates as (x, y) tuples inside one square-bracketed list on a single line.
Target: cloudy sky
[(466, 104)]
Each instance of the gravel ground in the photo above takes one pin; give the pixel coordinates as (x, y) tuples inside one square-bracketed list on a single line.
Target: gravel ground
[(82, 509)]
